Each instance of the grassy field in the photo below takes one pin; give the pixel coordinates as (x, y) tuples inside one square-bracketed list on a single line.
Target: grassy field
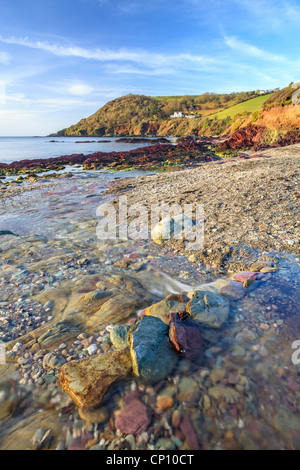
[(250, 106)]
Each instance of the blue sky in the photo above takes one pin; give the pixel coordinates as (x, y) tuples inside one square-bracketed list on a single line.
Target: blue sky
[(60, 60)]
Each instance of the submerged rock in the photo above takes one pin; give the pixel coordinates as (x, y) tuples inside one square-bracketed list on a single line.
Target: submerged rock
[(171, 304), (134, 418), (208, 308), (118, 336), (185, 335), (243, 277), (87, 380), (187, 428), (153, 358)]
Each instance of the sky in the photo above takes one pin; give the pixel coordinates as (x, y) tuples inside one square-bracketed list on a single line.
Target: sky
[(61, 60)]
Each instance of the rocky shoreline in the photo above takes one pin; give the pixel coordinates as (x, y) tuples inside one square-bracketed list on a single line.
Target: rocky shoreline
[(188, 151), (88, 324)]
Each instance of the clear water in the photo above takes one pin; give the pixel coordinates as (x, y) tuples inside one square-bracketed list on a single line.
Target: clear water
[(20, 148)]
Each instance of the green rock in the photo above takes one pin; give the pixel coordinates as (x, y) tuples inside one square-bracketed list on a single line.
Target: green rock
[(118, 336), (287, 422), (164, 443), (226, 393), (208, 308), (217, 375), (188, 390), (53, 362), (50, 378), (152, 355)]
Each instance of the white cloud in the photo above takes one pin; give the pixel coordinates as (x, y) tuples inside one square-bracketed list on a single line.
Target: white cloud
[(80, 89), (107, 55)]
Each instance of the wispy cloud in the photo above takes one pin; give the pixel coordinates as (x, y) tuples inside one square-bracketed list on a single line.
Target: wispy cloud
[(107, 55), (252, 51)]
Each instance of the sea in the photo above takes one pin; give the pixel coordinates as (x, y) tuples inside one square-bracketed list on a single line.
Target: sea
[(22, 148)]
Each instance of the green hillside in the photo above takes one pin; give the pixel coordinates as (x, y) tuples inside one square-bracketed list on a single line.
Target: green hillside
[(145, 115), (249, 106)]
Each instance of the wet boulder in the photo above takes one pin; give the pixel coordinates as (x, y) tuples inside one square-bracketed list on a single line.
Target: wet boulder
[(152, 355), (208, 308), (171, 304), (88, 380)]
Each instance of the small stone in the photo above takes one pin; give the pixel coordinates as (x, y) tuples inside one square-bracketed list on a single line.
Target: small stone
[(165, 444), (206, 403), (188, 390), (269, 269), (41, 439), (228, 394), (176, 418), (189, 433), (164, 402), (118, 336), (92, 349), (133, 419), (53, 362), (264, 326), (217, 375), (94, 415), (245, 276), (192, 258)]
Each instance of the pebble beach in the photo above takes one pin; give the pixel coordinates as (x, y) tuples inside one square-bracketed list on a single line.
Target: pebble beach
[(76, 312)]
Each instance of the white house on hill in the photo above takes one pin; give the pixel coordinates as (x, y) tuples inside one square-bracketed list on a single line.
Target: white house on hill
[(177, 114)]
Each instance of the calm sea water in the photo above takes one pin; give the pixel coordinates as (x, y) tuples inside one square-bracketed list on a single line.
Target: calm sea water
[(20, 148)]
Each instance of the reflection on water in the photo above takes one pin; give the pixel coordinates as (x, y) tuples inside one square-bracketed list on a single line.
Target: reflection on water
[(241, 393)]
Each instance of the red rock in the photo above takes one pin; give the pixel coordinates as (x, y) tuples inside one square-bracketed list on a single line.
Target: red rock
[(250, 136), (242, 277), (189, 433), (185, 335), (132, 256), (131, 395), (80, 443), (134, 418), (142, 156)]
